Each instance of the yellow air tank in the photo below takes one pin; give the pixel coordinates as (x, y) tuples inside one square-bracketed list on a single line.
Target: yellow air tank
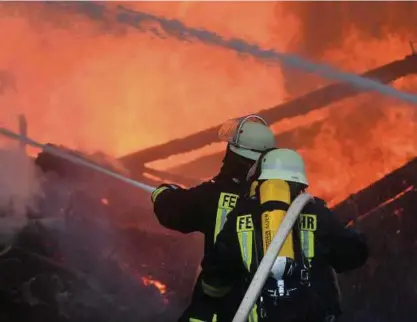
[(275, 190)]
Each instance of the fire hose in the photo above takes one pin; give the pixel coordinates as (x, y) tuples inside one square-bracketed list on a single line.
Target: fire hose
[(268, 260), (59, 153)]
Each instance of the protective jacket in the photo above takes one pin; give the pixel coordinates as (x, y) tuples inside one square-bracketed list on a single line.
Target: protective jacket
[(325, 245), (202, 209)]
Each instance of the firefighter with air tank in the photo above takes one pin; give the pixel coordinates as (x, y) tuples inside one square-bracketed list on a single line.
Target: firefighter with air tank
[(204, 208), (302, 285)]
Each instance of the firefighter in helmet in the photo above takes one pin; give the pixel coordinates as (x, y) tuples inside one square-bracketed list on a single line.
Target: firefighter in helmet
[(204, 208), (301, 286)]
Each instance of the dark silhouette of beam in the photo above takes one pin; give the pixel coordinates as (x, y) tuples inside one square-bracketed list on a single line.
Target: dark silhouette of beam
[(299, 106)]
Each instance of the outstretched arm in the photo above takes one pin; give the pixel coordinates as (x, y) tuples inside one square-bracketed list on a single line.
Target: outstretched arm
[(179, 209)]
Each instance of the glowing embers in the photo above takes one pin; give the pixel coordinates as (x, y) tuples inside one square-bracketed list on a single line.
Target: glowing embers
[(162, 288), (147, 280)]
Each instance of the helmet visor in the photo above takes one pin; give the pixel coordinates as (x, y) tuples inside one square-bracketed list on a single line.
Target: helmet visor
[(229, 131)]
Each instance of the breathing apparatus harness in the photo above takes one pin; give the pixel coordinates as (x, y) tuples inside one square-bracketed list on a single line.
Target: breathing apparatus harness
[(296, 273)]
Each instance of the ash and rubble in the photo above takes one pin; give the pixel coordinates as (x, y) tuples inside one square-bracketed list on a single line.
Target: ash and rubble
[(78, 255)]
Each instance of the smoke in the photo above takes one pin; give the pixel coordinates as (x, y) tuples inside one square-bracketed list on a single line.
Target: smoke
[(20, 190)]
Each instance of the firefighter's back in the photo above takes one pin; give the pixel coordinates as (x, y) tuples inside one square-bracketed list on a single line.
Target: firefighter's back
[(327, 247), (302, 285)]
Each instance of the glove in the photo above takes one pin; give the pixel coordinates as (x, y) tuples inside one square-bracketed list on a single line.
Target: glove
[(161, 188)]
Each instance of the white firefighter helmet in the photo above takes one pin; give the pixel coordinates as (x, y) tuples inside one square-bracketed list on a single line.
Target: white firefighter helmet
[(247, 136), (284, 164)]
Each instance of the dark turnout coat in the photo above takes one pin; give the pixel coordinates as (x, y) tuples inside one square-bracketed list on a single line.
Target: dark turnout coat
[(204, 209), (337, 248)]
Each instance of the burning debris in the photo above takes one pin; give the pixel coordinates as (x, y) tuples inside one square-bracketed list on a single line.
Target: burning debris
[(76, 259)]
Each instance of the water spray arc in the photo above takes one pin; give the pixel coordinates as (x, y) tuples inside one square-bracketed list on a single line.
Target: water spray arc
[(59, 153), (174, 28)]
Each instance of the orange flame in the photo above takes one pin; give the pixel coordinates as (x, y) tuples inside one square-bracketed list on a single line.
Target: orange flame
[(145, 280), (162, 288)]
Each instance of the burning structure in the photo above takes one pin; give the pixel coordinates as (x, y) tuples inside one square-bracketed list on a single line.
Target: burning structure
[(107, 257), (73, 281)]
